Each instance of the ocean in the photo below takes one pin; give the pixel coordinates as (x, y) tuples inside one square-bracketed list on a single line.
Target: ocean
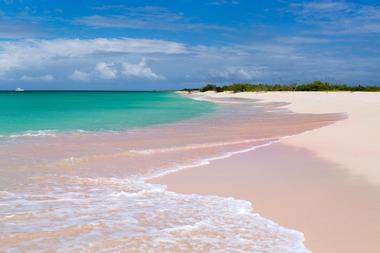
[(75, 166), (28, 112)]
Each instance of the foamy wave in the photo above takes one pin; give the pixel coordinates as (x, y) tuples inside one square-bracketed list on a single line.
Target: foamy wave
[(32, 134), (207, 161), (197, 146), (4, 194), (39, 133), (184, 148), (118, 214), (109, 214)]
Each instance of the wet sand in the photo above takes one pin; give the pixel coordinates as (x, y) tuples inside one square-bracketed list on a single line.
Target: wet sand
[(293, 187)]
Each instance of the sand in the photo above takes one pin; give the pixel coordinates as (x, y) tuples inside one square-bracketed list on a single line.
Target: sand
[(353, 143), (324, 182)]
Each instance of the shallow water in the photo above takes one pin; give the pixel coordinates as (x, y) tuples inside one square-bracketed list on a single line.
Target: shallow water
[(86, 191), (44, 112)]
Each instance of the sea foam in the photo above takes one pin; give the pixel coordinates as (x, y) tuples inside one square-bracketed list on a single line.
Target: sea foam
[(133, 215)]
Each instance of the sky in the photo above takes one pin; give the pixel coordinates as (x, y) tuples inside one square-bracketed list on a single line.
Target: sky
[(173, 44)]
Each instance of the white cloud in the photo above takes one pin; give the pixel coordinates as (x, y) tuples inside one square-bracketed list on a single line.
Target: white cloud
[(79, 76), (10, 29), (48, 77), (140, 70), (302, 40), (106, 71), (323, 6), (142, 17), (146, 17), (238, 74), (283, 59), (224, 2), (339, 17), (42, 52), (78, 47)]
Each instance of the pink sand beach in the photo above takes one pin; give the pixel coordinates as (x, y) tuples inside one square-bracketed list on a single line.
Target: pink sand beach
[(266, 172), (323, 182)]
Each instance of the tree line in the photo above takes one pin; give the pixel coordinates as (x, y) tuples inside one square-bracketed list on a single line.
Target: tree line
[(313, 86)]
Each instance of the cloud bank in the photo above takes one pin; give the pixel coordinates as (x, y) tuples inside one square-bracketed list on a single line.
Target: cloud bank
[(132, 61)]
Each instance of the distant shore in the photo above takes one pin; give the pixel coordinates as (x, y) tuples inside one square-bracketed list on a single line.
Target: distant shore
[(260, 87), (323, 182)]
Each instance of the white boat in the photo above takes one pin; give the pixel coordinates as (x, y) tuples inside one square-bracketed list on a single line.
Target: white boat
[(19, 89)]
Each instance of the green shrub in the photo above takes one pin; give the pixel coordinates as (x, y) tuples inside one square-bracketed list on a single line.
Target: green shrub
[(313, 86), (208, 87)]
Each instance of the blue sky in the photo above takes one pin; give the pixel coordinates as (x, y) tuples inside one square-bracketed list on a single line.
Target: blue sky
[(157, 44)]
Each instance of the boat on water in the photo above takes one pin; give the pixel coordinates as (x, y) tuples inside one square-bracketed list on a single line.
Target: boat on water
[(19, 89)]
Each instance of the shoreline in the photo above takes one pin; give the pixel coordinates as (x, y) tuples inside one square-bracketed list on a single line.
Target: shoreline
[(360, 126), (74, 171), (116, 167), (240, 176)]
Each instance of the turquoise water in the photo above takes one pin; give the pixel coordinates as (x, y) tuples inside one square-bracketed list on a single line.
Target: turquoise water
[(67, 111)]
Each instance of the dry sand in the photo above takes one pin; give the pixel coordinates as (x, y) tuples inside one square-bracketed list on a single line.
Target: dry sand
[(353, 143), (324, 183)]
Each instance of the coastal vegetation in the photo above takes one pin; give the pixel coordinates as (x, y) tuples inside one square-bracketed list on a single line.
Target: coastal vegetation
[(313, 86)]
